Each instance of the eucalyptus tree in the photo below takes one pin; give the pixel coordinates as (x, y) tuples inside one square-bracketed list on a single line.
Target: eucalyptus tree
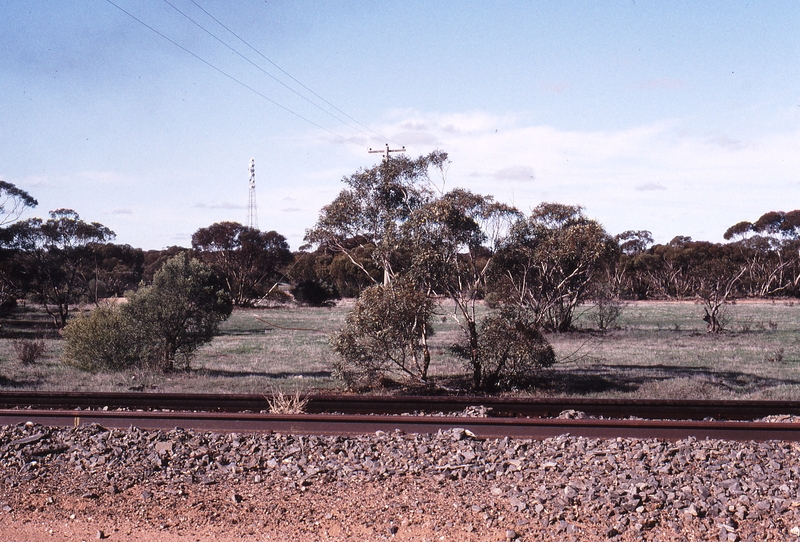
[(629, 278), (549, 262), (385, 334), (369, 213), (178, 312), (718, 269), (453, 240), (13, 202), (428, 245), (249, 260), (771, 246), (53, 257)]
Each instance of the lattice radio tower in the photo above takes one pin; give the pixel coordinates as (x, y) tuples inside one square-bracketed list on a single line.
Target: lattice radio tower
[(252, 210)]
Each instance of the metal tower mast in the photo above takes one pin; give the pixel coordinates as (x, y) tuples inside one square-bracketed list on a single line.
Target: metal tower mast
[(252, 210)]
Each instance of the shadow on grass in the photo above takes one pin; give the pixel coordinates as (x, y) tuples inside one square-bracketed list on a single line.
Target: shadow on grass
[(241, 332), (14, 384), (629, 378), (582, 383), (217, 373), (27, 330)]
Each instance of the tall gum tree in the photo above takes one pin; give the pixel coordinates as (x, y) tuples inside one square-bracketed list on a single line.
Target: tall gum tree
[(550, 260), (369, 213), (771, 246), (453, 240), (248, 259), (13, 202)]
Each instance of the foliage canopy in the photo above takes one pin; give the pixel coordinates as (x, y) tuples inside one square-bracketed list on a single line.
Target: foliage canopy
[(159, 327)]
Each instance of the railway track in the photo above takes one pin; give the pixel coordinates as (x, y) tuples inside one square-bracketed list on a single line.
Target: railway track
[(380, 404), (347, 415)]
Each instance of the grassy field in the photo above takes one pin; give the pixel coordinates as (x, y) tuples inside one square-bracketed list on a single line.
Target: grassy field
[(662, 351), (658, 350)]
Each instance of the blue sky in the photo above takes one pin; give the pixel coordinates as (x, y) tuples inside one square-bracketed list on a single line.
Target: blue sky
[(681, 118)]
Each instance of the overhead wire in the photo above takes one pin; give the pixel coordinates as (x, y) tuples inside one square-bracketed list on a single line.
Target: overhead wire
[(262, 70), (232, 78), (382, 138)]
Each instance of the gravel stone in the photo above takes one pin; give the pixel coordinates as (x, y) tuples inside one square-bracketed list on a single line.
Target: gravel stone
[(447, 484)]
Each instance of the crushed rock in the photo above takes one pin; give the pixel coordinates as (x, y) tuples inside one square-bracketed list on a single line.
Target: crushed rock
[(448, 485)]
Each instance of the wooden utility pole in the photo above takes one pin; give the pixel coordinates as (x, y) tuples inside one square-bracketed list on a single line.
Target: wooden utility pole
[(386, 151)]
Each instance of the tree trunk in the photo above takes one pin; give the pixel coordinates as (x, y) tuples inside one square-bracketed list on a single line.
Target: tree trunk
[(477, 369)]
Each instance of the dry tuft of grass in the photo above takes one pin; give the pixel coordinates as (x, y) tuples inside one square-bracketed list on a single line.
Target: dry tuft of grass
[(286, 403), (29, 351)]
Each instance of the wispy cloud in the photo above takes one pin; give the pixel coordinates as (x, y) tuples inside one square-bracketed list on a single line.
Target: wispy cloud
[(221, 205), (121, 212), (520, 173), (727, 143), (646, 187)]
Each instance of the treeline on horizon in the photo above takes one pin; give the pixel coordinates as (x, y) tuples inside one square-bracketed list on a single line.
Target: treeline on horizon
[(376, 231)]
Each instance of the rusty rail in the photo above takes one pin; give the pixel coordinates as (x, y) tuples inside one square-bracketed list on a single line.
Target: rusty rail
[(371, 404), (534, 428)]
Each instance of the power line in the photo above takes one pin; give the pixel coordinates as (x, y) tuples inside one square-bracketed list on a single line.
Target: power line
[(232, 78), (201, 27), (290, 76)]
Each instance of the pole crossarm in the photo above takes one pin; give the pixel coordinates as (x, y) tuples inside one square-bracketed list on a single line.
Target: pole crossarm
[(385, 152)]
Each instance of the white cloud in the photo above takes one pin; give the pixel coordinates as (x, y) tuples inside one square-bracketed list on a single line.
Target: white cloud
[(221, 205), (519, 173), (713, 180)]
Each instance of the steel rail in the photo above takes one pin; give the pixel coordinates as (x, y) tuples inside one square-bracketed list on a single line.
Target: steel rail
[(372, 404), (334, 424)]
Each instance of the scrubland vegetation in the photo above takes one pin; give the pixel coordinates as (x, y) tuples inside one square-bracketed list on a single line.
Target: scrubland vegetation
[(406, 286), (657, 349)]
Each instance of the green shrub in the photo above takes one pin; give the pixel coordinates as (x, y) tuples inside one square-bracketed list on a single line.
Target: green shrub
[(100, 340), (178, 313), (511, 351), (160, 325), (384, 335)]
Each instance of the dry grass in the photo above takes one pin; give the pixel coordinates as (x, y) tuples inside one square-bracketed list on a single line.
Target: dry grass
[(286, 403), (660, 350), (29, 351)]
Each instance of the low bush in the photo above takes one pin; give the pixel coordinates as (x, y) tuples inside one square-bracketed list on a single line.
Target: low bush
[(607, 309), (385, 335), (512, 352), (160, 326), (101, 340), (28, 351)]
